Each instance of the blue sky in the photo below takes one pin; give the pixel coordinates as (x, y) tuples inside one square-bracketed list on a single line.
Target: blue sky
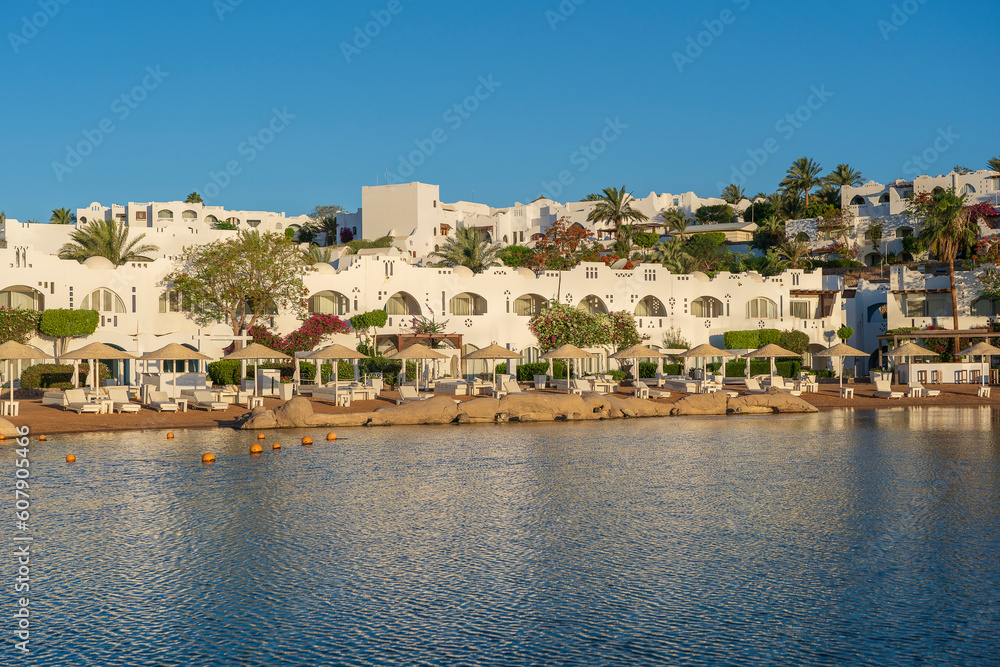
[(268, 106)]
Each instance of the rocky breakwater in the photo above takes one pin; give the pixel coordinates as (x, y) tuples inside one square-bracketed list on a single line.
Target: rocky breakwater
[(774, 401)]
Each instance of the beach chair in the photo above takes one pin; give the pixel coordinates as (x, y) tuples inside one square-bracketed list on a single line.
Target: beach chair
[(779, 382), (510, 387), (641, 389), (76, 400), (120, 400), (205, 401), (407, 393), (917, 390), (581, 386), (753, 386), (159, 401), (884, 390)]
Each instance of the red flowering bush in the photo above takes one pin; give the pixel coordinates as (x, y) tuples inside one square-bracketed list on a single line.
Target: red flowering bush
[(306, 337)]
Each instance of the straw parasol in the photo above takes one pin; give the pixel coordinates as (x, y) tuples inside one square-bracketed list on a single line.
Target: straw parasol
[(635, 353), (494, 352), (706, 351), (92, 353), (174, 352), (984, 350), (770, 351), (841, 350), (256, 352), (568, 352), (416, 352), (13, 351), (910, 350), (334, 353)]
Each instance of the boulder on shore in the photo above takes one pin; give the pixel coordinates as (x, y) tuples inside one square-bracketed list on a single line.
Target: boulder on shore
[(773, 402), (700, 404), (479, 411), (8, 430), (298, 413), (437, 410), (539, 407)]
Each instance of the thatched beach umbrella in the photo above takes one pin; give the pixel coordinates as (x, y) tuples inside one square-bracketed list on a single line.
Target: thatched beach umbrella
[(706, 351), (333, 353), (93, 353), (256, 352), (174, 352), (494, 352), (984, 350), (12, 351), (568, 352), (769, 351), (908, 350), (841, 350), (416, 353), (634, 354)]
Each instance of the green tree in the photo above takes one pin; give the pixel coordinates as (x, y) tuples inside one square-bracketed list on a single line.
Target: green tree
[(770, 232), (368, 323), (328, 226), (307, 233), (62, 216), (676, 221), (793, 255), (317, 255), (716, 214), (241, 279), (758, 211), (845, 333), (194, 198), (948, 229), (994, 163), (109, 239), (329, 211), (470, 248), (516, 256), (62, 325), (706, 250), (802, 176), (876, 231), (961, 170), (733, 194), (671, 255), (844, 175), (829, 193), (614, 207)]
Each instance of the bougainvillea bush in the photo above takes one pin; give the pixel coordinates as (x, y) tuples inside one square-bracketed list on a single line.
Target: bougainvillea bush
[(306, 337), (562, 324)]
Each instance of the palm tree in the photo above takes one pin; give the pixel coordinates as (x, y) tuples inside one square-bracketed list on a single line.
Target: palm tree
[(802, 176), (593, 196), (106, 238), (328, 226), (614, 206), (793, 255), (62, 216), (672, 256), (844, 174), (194, 198), (994, 163), (470, 248), (317, 255), (948, 229), (829, 193), (733, 194), (674, 220)]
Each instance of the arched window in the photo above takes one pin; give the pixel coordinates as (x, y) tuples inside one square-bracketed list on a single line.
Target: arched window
[(593, 304), (938, 190), (23, 297), (884, 199), (189, 215), (531, 355), (83, 220), (706, 306), (329, 303), (650, 306), (165, 215), (402, 303), (211, 220), (967, 189), (858, 200), (234, 220), (467, 304), (173, 301), (103, 301), (528, 305), (762, 308)]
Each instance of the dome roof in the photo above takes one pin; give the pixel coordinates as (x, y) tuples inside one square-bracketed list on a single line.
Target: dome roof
[(323, 267), (98, 263)]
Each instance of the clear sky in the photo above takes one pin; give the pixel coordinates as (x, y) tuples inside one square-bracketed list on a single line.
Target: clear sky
[(282, 106)]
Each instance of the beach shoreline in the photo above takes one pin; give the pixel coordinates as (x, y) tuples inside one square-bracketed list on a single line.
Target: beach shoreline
[(51, 420)]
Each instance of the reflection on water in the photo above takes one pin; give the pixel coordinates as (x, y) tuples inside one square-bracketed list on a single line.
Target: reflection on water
[(830, 538)]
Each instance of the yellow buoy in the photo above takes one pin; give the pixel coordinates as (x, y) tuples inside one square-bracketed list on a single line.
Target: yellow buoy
[(261, 436), (70, 458), (170, 436), (208, 458), (42, 438), (256, 449), (331, 436), (306, 441), (276, 445)]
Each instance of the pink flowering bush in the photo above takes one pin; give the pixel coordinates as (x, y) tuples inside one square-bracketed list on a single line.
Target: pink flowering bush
[(306, 337)]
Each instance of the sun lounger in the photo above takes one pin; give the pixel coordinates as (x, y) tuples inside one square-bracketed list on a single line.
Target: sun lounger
[(581, 386), (409, 394), (641, 389), (205, 401), (753, 386), (918, 390), (884, 390), (76, 400), (779, 382), (159, 401), (120, 400), (510, 387)]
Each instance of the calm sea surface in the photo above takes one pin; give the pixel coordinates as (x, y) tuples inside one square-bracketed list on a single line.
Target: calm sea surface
[(838, 538)]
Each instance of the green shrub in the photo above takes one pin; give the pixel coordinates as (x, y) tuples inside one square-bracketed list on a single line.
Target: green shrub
[(46, 376), (738, 368), (750, 339), (794, 341), (371, 319), (526, 372), (617, 375), (18, 324), (224, 372)]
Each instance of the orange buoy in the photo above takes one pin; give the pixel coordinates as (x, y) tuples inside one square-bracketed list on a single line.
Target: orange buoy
[(70, 458), (261, 436), (170, 436), (331, 436), (2, 436), (306, 441), (42, 438), (276, 445), (256, 449), (208, 458)]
